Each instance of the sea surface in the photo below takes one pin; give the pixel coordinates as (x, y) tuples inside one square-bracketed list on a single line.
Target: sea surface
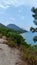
[(28, 36)]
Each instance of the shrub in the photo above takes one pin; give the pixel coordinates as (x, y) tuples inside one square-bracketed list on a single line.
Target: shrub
[(0, 35)]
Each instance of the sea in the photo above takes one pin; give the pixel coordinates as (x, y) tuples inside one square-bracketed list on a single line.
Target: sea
[(28, 36)]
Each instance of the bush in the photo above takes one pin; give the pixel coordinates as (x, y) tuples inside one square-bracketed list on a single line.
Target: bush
[(29, 55), (0, 35)]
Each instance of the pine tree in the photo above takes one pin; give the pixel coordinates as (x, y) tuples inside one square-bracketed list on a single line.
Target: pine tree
[(34, 10)]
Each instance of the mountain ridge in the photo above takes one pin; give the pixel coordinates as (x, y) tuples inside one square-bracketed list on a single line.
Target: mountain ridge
[(15, 27)]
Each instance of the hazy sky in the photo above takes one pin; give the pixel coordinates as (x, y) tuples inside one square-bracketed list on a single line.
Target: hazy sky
[(17, 12)]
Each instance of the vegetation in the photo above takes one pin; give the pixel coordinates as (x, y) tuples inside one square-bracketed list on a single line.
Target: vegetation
[(11, 35), (35, 38), (34, 10), (28, 52), (29, 55), (33, 29)]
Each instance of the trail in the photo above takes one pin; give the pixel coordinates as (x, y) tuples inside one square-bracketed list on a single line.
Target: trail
[(9, 56)]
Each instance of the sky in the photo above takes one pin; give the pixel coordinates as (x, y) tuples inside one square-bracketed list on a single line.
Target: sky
[(17, 12)]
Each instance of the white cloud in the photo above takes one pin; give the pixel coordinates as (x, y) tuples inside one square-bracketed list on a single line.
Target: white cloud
[(8, 3)]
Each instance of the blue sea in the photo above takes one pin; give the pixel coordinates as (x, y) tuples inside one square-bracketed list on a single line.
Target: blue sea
[(28, 36)]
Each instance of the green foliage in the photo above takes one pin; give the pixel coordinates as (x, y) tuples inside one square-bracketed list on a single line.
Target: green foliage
[(0, 35), (11, 34), (34, 10), (16, 37), (32, 29), (35, 39)]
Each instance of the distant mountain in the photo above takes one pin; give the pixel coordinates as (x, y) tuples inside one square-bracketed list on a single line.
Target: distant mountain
[(16, 28), (1, 25), (13, 28)]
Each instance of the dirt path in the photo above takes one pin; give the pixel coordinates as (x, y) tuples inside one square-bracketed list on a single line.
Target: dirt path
[(9, 56)]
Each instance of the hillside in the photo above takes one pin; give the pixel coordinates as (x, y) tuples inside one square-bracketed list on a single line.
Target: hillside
[(16, 28), (15, 41), (3, 27), (12, 28), (24, 55)]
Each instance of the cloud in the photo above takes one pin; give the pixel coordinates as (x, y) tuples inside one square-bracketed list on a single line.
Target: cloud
[(8, 3)]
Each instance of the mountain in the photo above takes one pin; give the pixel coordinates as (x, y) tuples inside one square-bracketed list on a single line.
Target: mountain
[(16, 28), (3, 27), (12, 27)]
